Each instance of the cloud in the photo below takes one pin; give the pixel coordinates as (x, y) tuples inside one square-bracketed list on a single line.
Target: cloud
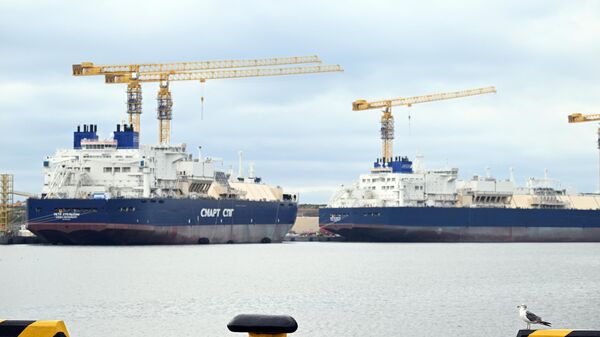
[(300, 130)]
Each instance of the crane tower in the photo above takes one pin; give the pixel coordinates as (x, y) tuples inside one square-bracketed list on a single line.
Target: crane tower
[(387, 119), (581, 118), (163, 73)]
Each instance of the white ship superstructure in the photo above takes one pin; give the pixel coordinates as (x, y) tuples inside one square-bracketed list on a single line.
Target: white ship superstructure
[(117, 191), (398, 184), (109, 169), (396, 203)]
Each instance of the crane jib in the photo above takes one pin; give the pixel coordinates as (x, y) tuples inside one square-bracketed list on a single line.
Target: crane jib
[(134, 74)]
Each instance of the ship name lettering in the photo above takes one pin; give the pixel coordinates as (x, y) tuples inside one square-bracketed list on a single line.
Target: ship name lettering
[(216, 212), (210, 212)]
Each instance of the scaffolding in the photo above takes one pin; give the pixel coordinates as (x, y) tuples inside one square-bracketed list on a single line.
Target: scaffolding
[(6, 201)]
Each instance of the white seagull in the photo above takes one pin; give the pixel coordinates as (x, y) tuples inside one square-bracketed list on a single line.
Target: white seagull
[(529, 317)]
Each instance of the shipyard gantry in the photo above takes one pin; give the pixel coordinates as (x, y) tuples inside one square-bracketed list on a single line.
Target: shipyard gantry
[(164, 73)]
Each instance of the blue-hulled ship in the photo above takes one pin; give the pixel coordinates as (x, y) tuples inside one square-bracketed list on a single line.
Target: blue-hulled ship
[(401, 202), (116, 191)]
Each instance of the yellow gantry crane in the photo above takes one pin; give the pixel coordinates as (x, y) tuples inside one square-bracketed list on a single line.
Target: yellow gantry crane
[(387, 120), (6, 200), (580, 118), (163, 73)]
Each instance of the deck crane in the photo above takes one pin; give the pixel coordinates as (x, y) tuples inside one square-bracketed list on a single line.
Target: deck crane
[(135, 74), (581, 118), (387, 120)]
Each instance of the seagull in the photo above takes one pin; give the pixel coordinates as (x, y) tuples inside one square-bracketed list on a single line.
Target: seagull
[(529, 317)]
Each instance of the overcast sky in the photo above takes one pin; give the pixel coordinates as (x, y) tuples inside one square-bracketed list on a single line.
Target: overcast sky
[(300, 131)]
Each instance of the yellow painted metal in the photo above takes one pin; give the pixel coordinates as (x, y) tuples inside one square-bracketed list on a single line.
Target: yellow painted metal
[(221, 74), (387, 134), (25, 194), (253, 334), (134, 74), (362, 104), (164, 131), (6, 200), (134, 104), (387, 120), (45, 329), (579, 118), (90, 69), (550, 333), (164, 113), (164, 96)]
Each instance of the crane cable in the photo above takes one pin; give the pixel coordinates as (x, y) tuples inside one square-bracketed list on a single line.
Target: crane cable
[(202, 82)]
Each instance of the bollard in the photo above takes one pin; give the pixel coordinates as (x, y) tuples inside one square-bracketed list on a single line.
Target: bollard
[(263, 325), (13, 328), (558, 333)]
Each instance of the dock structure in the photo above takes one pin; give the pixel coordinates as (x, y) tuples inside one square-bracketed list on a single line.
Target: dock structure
[(253, 325), (32, 328), (558, 333), (6, 201)]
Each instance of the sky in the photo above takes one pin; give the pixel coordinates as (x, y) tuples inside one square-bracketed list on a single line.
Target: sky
[(300, 131)]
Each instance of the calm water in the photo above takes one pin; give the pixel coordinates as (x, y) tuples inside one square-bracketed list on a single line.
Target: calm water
[(332, 289)]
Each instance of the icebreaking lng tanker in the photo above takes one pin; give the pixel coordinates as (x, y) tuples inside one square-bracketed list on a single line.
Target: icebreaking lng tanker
[(119, 192), (396, 202)]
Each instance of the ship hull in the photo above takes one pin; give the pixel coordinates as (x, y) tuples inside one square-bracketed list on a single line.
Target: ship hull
[(159, 221), (441, 224)]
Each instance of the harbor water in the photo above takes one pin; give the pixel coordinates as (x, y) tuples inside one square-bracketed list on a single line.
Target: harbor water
[(332, 289)]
